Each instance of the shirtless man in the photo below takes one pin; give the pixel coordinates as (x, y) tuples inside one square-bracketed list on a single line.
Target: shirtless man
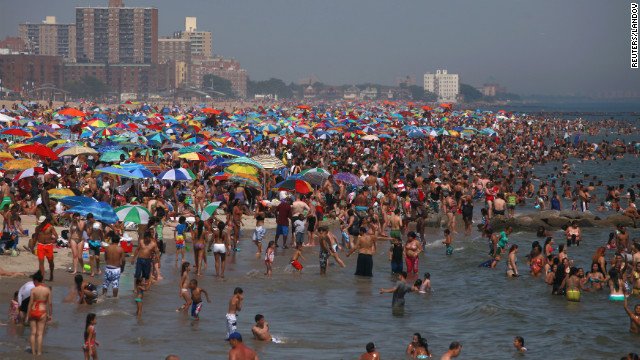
[(454, 351), (261, 330), (395, 222), (40, 311), (366, 245), (328, 190), (6, 194), (238, 350), (499, 205), (371, 354), (371, 182), (114, 257), (634, 317), (622, 239), (235, 305), (147, 248), (46, 236)]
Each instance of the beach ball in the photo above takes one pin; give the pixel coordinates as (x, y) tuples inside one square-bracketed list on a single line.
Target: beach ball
[(87, 267)]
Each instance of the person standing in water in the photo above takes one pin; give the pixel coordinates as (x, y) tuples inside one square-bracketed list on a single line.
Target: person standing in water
[(40, 312), (512, 262), (634, 317), (90, 342), (399, 290), (235, 305), (454, 351), (238, 350), (114, 257)]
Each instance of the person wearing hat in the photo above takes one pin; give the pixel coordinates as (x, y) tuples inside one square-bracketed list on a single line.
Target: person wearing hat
[(238, 350)]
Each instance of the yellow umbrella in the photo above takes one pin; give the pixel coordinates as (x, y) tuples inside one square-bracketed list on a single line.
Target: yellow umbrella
[(17, 145), (6, 156), (242, 169), (56, 142), (19, 165), (60, 193)]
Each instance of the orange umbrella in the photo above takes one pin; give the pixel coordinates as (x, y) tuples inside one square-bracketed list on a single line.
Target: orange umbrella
[(304, 107), (426, 108), (211, 111), (72, 112), (411, 104), (446, 105)]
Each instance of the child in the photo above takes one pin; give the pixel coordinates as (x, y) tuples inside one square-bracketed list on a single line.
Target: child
[(184, 286), (268, 256), (196, 296), (333, 241), (447, 242), (178, 237), (298, 227), (90, 341), (294, 259), (14, 309), (426, 283), (139, 284)]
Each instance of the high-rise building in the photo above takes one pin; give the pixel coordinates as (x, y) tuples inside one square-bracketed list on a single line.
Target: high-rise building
[(446, 86), (117, 34), (49, 38), (200, 40), (174, 50)]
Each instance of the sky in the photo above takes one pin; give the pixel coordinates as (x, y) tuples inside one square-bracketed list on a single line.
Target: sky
[(532, 47)]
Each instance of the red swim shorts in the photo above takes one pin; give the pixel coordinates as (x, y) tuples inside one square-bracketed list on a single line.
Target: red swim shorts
[(296, 265), (45, 250)]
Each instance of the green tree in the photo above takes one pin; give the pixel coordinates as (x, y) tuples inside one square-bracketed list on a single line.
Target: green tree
[(221, 86), (418, 93), (470, 93), (87, 87), (272, 86)]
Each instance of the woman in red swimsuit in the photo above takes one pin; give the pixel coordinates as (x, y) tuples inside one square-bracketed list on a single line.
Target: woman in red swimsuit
[(40, 311)]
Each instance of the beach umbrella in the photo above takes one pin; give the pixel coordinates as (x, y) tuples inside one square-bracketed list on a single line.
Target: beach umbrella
[(246, 179), (210, 210), (38, 150), (216, 162), (72, 112), (229, 152), (294, 185), (211, 111), (30, 172), (21, 164), (244, 161), (370, 138), (6, 118), (151, 166), (141, 173), (242, 169), (316, 176), (133, 213), (177, 174), (101, 211), (268, 161), (77, 200), (98, 123), (426, 108), (6, 156), (195, 156), (60, 193), (78, 150), (113, 155), (15, 132), (348, 178), (41, 140), (118, 171), (221, 176)]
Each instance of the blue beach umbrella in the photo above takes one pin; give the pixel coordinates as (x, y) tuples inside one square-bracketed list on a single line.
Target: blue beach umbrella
[(101, 211)]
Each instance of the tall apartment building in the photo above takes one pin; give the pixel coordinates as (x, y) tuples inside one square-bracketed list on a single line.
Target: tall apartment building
[(49, 38), (225, 68), (176, 53), (200, 40), (117, 34), (446, 86)]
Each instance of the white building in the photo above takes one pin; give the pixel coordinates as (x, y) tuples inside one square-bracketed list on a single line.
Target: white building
[(445, 86)]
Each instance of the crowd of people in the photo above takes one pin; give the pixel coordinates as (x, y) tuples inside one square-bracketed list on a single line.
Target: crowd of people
[(367, 172)]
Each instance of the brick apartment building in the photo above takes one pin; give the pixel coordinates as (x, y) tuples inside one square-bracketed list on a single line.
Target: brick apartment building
[(22, 72), (225, 68), (49, 38)]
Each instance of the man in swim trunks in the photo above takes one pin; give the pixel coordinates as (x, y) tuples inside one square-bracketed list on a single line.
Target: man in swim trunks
[(6, 194), (261, 330), (114, 258), (395, 222), (366, 245), (283, 215), (235, 305), (46, 237), (144, 252)]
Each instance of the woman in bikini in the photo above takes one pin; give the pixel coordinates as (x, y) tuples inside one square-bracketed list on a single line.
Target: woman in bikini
[(260, 230), (412, 249), (76, 242), (40, 312), (236, 222), (598, 258), (221, 246), (512, 262), (90, 342), (451, 209), (573, 285), (199, 199), (199, 236), (596, 277)]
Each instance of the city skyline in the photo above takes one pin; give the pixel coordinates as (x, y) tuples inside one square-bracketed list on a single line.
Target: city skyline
[(554, 48)]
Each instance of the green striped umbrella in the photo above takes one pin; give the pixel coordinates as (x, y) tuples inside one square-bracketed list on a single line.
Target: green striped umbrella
[(133, 213), (210, 210)]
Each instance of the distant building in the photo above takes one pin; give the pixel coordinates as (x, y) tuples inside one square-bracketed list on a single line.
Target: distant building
[(49, 38), (369, 93), (406, 81), (200, 40), (122, 78), (117, 34), (178, 53), (491, 89), (352, 93), (12, 44), (225, 68), (308, 81), (24, 72), (446, 86)]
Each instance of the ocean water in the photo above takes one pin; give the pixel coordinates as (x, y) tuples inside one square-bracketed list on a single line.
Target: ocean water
[(334, 316)]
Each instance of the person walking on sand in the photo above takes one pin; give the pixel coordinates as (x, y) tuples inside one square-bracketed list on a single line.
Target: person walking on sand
[(238, 350), (40, 312), (235, 305), (114, 258), (46, 236)]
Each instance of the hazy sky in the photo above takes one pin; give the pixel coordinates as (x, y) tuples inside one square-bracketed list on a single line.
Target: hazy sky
[(542, 47)]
